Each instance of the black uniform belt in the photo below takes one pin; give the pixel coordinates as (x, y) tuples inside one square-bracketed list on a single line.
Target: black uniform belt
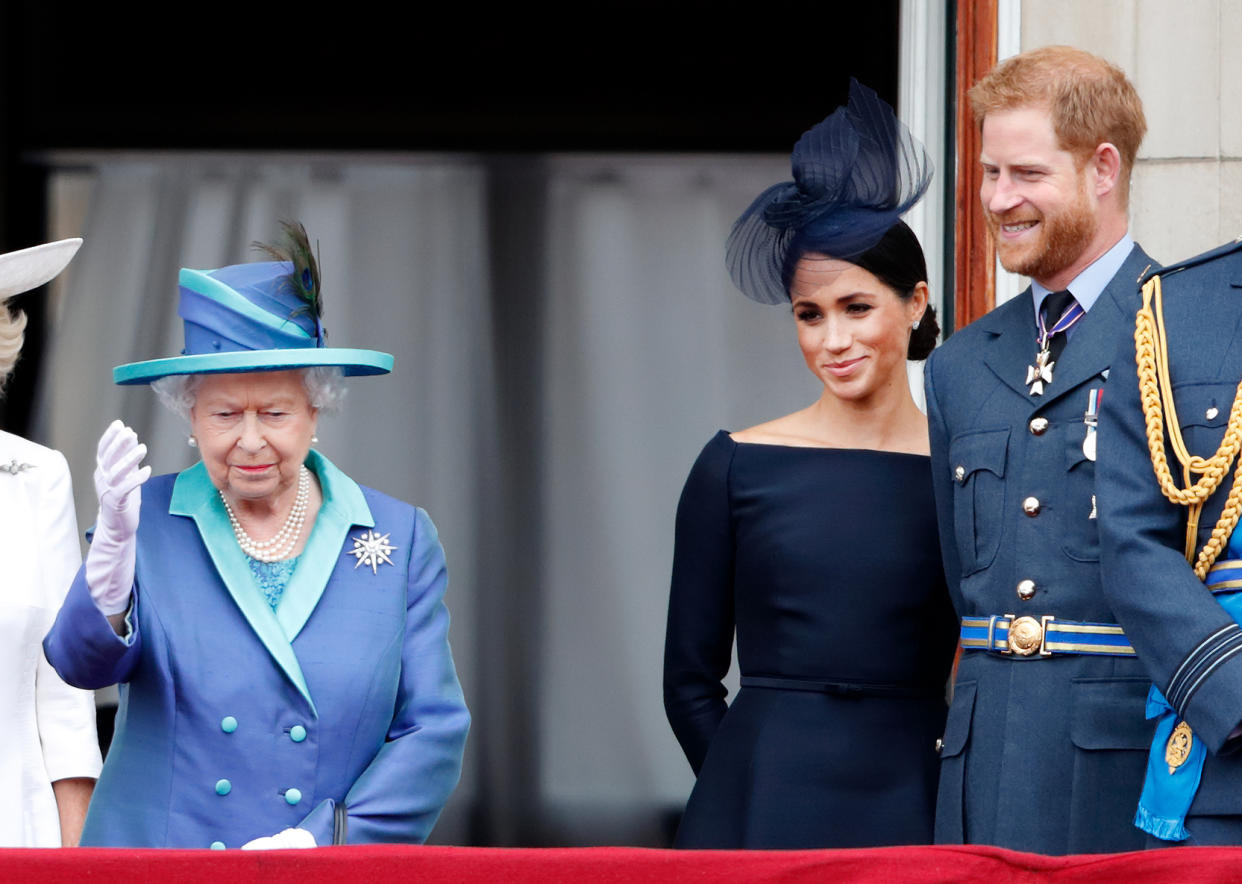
[(1045, 636), (840, 688)]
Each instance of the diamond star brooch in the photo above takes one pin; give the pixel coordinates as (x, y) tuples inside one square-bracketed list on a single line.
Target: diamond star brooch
[(371, 549)]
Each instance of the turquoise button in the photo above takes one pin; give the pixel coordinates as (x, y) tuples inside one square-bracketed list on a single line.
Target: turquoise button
[(293, 796), (217, 845), (297, 733), (228, 724), (223, 787)]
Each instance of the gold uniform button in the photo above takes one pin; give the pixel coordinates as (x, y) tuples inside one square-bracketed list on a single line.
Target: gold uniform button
[(1030, 506), (960, 473), (1038, 426), (1026, 590)]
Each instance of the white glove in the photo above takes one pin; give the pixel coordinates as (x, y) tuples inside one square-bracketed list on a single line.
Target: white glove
[(110, 560), (284, 840)]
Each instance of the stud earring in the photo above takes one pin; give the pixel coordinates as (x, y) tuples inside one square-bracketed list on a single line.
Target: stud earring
[(191, 441), (314, 439), (916, 325)]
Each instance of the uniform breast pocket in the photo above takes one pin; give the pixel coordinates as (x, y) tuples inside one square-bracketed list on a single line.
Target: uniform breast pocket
[(1080, 532), (1202, 413), (978, 464)]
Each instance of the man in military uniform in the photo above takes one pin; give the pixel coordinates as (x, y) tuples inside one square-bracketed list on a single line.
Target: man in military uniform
[(1046, 740), (1172, 557)]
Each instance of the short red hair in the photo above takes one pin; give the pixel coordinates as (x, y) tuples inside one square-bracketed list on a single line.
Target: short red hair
[(1090, 100)]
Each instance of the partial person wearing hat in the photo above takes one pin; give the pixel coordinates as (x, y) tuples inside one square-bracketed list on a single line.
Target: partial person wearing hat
[(1044, 747), (49, 750), (278, 631), (813, 536)]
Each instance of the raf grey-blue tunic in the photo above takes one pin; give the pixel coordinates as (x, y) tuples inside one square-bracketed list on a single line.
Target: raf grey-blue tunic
[(1045, 746)]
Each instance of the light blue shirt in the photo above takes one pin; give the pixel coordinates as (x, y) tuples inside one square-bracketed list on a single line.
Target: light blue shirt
[(1087, 286)]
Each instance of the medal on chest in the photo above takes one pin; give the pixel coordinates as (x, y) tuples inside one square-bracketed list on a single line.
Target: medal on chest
[(1039, 375), (1090, 420)]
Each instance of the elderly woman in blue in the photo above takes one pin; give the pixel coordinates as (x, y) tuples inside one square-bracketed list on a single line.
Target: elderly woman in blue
[(278, 631)]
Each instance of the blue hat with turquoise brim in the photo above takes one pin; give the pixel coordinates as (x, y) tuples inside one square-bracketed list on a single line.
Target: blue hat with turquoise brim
[(249, 317)]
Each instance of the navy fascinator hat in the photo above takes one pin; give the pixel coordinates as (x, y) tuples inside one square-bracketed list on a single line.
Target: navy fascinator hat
[(854, 175)]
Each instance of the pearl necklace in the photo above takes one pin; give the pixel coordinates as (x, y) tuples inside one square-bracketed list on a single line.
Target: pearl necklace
[(280, 546)]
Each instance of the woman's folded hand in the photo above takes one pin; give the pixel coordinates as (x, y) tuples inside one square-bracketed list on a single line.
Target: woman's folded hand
[(285, 839)]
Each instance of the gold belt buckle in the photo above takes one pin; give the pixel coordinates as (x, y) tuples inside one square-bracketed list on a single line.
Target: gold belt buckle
[(1028, 636)]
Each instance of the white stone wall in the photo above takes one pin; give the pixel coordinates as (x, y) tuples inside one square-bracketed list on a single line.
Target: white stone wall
[(1185, 58)]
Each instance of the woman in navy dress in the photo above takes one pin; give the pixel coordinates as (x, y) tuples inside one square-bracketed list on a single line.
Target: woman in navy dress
[(813, 536)]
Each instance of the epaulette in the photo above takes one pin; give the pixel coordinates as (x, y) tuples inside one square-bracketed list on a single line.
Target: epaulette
[(1209, 255)]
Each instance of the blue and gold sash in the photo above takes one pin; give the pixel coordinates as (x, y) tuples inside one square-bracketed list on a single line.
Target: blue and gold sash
[(1175, 764)]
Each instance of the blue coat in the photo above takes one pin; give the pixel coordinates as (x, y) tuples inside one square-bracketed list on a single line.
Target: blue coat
[(340, 713), (1043, 754), (1165, 609)]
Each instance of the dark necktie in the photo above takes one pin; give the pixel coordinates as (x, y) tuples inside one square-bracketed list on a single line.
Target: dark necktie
[(1053, 309)]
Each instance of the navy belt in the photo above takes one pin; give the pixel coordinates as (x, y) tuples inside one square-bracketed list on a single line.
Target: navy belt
[(840, 688), (1045, 636)]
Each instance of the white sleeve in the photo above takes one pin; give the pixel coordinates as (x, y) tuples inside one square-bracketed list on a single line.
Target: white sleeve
[(66, 715)]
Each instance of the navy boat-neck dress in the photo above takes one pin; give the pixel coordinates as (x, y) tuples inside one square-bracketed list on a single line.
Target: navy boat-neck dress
[(827, 563)]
